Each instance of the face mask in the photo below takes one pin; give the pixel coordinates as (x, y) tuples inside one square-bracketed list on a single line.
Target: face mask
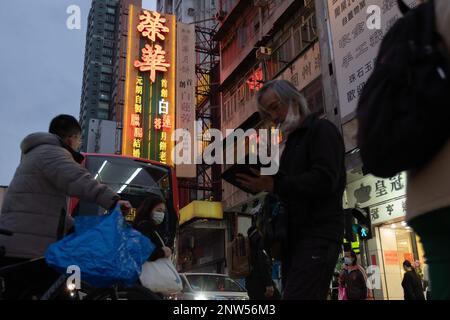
[(291, 122), (158, 216), (348, 261)]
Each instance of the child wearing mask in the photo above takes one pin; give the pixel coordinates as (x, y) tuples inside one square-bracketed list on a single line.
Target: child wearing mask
[(149, 216)]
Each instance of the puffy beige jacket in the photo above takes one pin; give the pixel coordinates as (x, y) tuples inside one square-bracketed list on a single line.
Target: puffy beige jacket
[(429, 189), (32, 207)]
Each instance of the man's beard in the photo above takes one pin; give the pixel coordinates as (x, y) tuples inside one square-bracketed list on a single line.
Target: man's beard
[(291, 122)]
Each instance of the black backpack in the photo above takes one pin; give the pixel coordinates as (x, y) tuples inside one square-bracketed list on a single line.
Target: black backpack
[(404, 109)]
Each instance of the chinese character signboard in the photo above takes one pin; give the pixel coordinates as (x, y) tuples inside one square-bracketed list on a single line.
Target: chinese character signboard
[(355, 46), (388, 211), (149, 112), (305, 69), (370, 190), (185, 105)]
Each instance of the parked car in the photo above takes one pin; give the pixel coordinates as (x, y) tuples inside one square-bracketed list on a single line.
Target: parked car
[(210, 286)]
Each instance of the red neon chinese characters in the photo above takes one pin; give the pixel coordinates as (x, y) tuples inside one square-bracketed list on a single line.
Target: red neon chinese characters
[(255, 82), (152, 26), (135, 120), (162, 123), (138, 133), (153, 59), (166, 123), (158, 123)]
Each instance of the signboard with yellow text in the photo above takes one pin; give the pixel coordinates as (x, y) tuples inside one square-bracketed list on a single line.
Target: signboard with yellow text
[(149, 113)]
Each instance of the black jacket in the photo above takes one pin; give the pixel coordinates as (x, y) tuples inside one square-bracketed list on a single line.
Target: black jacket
[(311, 181), (412, 286), (259, 261), (148, 229)]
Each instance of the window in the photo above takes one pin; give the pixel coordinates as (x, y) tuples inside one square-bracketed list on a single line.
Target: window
[(110, 10), (106, 69), (110, 18), (104, 97), (103, 105), (309, 30), (297, 41), (109, 27), (103, 114), (104, 87), (107, 52), (242, 36), (107, 61), (285, 52), (109, 35), (108, 44), (106, 78)]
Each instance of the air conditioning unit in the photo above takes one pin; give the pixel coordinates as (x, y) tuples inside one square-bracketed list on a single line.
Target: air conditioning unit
[(263, 53)]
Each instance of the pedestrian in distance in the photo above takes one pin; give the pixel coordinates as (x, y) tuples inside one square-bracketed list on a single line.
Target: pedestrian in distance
[(412, 284)]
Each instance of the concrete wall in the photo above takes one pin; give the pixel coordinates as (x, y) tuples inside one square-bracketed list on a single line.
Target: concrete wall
[(102, 136)]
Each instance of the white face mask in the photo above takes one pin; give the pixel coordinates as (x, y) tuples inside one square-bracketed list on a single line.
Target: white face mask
[(348, 261), (158, 216), (291, 122)]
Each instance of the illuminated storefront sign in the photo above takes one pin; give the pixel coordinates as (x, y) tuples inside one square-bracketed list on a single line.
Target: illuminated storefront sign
[(255, 82), (136, 120), (153, 59), (150, 86)]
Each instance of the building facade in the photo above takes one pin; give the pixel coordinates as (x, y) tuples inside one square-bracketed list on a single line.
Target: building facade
[(202, 237), (3, 190), (102, 94)]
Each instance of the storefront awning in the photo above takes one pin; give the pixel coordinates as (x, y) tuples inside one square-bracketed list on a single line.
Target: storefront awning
[(202, 210)]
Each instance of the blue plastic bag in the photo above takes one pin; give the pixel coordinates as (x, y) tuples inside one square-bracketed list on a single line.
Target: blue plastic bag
[(106, 249)]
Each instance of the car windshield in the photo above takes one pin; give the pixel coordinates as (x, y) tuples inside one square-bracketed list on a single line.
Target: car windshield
[(133, 180), (125, 175), (213, 283)]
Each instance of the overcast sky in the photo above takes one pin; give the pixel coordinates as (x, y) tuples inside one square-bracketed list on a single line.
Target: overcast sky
[(41, 70)]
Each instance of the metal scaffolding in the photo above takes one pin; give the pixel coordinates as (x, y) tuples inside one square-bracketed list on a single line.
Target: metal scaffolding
[(207, 184)]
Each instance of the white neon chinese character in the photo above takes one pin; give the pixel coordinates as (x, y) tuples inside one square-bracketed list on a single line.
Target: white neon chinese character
[(163, 107)]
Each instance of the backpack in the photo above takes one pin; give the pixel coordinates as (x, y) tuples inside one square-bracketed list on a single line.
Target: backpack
[(238, 257), (404, 109)]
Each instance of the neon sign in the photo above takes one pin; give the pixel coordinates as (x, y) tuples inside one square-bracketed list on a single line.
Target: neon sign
[(152, 26), (135, 120), (153, 57), (149, 110)]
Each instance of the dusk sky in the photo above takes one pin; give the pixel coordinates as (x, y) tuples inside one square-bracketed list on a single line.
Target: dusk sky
[(41, 70)]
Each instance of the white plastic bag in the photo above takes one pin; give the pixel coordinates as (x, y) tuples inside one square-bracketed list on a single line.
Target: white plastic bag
[(161, 276)]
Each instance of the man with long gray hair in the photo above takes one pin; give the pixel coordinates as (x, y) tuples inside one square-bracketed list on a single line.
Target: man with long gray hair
[(310, 184)]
